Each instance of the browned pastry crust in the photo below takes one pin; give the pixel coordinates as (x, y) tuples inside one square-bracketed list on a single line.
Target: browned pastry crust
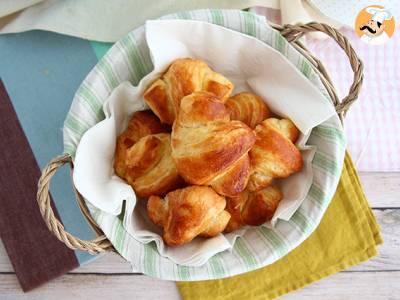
[(274, 155), (142, 123), (150, 169), (252, 208), (208, 148), (183, 77), (187, 213), (248, 108), (286, 127)]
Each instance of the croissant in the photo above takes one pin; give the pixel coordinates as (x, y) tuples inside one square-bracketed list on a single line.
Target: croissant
[(274, 155), (252, 208), (286, 127), (142, 123), (248, 108), (150, 169), (208, 148), (183, 77), (187, 213)]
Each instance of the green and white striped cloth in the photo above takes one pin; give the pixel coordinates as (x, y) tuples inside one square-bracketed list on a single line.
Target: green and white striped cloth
[(129, 59)]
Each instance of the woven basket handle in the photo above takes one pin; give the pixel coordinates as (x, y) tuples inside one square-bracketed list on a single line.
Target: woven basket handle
[(97, 245), (292, 33)]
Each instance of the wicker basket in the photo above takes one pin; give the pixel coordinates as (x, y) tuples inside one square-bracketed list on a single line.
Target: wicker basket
[(292, 33)]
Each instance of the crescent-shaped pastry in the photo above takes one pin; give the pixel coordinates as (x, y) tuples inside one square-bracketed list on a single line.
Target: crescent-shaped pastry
[(142, 123), (183, 77), (274, 155), (248, 108), (150, 169), (252, 208), (187, 213), (209, 148)]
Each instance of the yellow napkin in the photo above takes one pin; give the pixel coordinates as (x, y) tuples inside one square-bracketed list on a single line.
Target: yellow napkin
[(347, 235)]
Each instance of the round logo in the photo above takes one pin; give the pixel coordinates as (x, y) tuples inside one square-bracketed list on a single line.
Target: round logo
[(375, 25)]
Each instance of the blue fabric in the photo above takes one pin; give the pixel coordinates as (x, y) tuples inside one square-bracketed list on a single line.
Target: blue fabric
[(41, 72), (100, 48)]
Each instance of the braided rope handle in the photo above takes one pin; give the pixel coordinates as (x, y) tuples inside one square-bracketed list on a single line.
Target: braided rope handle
[(292, 33), (97, 245)]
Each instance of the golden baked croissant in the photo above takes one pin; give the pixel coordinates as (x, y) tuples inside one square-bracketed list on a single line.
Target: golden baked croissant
[(252, 208), (286, 127), (142, 123), (274, 155), (183, 77), (187, 213), (150, 169), (248, 108), (208, 148)]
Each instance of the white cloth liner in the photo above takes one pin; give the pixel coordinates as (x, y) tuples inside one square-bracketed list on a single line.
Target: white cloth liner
[(244, 60), (109, 21)]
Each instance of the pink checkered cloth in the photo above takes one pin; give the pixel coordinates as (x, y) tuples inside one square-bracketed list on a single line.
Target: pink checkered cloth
[(372, 124)]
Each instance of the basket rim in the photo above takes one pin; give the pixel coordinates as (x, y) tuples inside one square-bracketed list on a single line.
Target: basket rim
[(292, 34)]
